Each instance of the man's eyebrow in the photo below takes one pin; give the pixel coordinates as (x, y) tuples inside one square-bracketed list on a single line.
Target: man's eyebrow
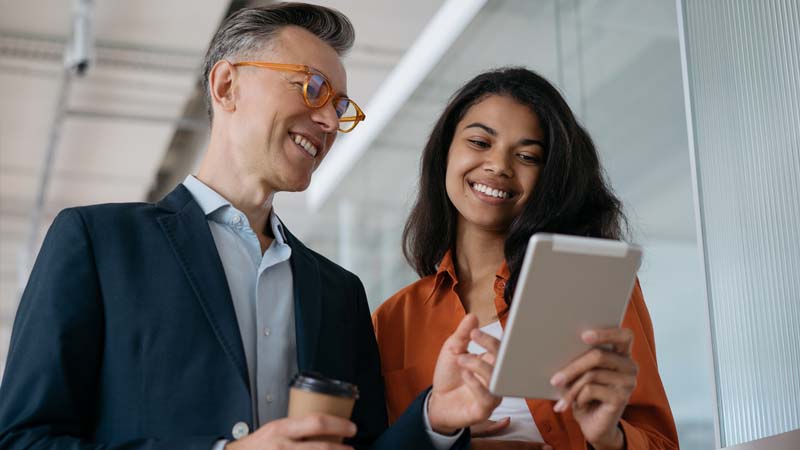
[(493, 132)]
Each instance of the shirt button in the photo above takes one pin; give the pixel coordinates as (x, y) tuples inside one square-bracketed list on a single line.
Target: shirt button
[(267, 331), (240, 430), (502, 284), (269, 398), (237, 219), (547, 427)]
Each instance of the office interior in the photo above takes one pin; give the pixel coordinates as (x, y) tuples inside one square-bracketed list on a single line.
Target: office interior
[(131, 124)]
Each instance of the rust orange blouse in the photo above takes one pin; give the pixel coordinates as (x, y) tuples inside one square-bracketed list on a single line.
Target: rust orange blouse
[(412, 326)]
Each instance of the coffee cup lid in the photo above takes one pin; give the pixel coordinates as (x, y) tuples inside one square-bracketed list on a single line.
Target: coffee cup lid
[(315, 382)]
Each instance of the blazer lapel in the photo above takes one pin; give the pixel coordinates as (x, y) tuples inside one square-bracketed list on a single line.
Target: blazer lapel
[(187, 230), (307, 302)]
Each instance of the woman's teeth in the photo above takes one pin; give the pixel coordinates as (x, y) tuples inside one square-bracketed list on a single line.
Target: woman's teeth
[(307, 146), (489, 191)]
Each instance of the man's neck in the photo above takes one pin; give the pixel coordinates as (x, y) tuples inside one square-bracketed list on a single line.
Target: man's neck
[(248, 194)]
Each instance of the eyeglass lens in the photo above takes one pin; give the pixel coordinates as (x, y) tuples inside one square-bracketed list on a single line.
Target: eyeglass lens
[(318, 90)]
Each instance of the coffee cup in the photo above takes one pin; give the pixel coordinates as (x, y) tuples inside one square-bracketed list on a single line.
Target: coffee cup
[(312, 393)]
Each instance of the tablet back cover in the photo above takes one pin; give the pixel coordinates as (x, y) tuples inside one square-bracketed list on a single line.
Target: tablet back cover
[(567, 285)]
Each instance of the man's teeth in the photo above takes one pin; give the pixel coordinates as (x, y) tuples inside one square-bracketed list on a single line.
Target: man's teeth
[(308, 146), (489, 191)]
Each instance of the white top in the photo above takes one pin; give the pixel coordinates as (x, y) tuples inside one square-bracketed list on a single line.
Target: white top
[(522, 426)]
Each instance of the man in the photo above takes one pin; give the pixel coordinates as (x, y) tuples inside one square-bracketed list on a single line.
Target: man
[(178, 325)]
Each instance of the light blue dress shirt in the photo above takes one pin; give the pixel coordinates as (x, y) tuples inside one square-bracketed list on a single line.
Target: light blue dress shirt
[(262, 290)]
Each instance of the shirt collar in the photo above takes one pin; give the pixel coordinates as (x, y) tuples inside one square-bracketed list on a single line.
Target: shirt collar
[(277, 228), (503, 272), (211, 201), (446, 266), (208, 199), (446, 270)]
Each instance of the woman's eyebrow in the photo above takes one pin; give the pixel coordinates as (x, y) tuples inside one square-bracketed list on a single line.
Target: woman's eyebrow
[(483, 127), (532, 142)]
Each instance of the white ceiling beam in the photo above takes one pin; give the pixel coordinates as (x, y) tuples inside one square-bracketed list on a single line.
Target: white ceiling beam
[(427, 50)]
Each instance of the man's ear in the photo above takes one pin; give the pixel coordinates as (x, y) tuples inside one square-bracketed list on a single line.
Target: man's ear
[(221, 82)]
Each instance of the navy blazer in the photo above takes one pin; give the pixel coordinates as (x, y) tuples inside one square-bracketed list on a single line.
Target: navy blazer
[(126, 337)]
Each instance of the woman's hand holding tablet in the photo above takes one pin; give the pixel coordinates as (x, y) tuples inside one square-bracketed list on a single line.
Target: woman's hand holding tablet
[(598, 384), (562, 339)]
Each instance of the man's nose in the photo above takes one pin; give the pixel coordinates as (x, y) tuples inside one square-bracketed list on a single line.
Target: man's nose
[(326, 118)]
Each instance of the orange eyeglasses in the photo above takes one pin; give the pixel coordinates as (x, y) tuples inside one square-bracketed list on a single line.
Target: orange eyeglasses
[(317, 92)]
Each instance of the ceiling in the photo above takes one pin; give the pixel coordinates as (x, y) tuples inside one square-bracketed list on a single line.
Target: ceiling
[(135, 126), (118, 121), (617, 63)]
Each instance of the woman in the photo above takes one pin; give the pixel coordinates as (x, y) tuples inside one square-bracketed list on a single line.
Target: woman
[(507, 159)]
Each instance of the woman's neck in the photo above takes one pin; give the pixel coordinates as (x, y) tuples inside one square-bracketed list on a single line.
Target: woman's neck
[(478, 253)]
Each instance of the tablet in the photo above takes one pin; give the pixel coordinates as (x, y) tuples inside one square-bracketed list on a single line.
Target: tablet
[(567, 285)]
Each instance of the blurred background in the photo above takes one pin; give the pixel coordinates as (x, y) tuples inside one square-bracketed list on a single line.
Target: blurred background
[(134, 125)]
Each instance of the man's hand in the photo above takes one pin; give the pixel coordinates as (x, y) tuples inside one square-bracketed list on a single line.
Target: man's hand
[(460, 396), (598, 385), (287, 434)]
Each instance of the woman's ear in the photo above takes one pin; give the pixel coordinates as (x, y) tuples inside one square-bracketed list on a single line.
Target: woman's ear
[(222, 83)]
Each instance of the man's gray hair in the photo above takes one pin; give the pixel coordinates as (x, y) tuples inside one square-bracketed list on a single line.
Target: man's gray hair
[(250, 30)]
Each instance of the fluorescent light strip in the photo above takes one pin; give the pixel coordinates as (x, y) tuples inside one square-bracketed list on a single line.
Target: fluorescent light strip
[(423, 55)]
